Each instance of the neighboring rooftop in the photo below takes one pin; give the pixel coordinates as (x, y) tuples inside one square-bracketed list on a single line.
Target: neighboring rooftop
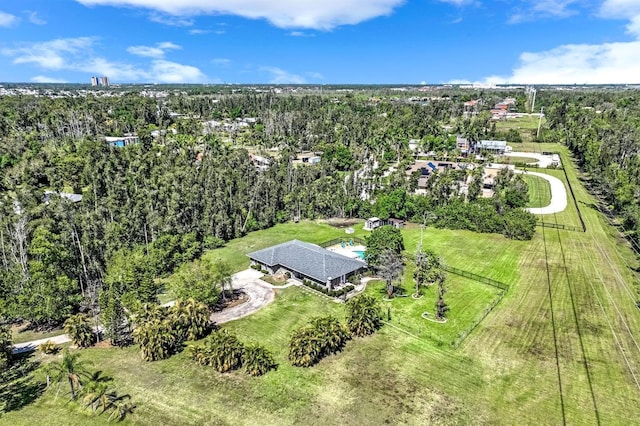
[(308, 259)]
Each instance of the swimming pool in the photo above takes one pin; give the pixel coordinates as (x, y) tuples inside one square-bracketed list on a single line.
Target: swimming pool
[(360, 253)]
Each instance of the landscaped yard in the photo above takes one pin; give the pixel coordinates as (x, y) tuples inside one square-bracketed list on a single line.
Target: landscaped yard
[(558, 348)]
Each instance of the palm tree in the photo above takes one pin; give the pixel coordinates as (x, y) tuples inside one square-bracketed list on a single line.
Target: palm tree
[(331, 334), (221, 350), (157, 339), (258, 360), (390, 268), (80, 330), (363, 315), (191, 318), (71, 369), (305, 347)]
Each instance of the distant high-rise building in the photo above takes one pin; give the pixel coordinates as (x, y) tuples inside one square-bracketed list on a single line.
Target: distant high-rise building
[(94, 81), (104, 81)]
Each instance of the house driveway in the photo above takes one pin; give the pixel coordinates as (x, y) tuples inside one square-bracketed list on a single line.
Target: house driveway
[(258, 292)]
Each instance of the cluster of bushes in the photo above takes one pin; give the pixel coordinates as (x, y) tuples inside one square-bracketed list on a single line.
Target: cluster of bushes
[(482, 216), (326, 335), (161, 332), (258, 267), (331, 293), (319, 338), (224, 352)]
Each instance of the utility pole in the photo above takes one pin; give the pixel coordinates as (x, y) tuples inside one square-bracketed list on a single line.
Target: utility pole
[(539, 122)]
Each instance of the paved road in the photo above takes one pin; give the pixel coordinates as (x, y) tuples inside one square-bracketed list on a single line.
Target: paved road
[(19, 348), (558, 195), (260, 294)]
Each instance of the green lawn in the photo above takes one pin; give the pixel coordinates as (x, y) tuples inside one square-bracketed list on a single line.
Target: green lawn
[(560, 346), (539, 191)]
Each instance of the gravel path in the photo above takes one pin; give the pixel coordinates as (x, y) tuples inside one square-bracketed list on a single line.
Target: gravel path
[(558, 195)]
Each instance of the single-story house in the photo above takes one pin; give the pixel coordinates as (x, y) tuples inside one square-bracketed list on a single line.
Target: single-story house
[(374, 222), (308, 261)]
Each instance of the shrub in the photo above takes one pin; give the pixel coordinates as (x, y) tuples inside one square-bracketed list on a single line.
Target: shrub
[(287, 274), (321, 337), (221, 350), (257, 360), (80, 330), (48, 348), (363, 315)]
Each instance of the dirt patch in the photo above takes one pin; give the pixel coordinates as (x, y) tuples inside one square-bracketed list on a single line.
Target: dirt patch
[(237, 298), (103, 344), (338, 222)]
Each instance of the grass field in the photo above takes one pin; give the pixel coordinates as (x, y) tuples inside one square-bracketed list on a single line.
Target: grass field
[(559, 348), (539, 191)]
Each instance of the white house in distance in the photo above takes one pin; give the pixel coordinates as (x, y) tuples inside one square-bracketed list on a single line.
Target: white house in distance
[(374, 222)]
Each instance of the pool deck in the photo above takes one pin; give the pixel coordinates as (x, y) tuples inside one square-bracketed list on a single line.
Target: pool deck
[(347, 250)]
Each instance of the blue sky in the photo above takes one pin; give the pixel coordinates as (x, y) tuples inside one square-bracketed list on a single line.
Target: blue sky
[(321, 41)]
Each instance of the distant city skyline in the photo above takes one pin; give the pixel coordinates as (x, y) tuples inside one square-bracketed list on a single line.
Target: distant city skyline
[(324, 42)]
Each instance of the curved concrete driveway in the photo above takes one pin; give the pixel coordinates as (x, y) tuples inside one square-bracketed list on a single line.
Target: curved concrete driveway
[(259, 293), (558, 195)]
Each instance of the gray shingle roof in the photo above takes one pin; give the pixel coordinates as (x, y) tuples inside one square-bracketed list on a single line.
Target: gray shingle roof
[(308, 259)]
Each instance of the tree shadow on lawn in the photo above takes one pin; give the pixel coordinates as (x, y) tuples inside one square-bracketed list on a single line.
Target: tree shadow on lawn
[(18, 386)]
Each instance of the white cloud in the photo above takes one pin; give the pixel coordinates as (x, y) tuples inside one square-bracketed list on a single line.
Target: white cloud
[(34, 18), (623, 9), (172, 21), (45, 79), (76, 54), (49, 54), (172, 72), (7, 19), (158, 51), (222, 62), (280, 76), (536, 9), (577, 63), (300, 34), (325, 15), (620, 8), (199, 32)]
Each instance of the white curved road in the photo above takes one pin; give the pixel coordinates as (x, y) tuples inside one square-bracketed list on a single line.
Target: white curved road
[(558, 195)]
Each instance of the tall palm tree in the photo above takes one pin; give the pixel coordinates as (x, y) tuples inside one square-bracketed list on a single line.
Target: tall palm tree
[(80, 330), (71, 369)]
